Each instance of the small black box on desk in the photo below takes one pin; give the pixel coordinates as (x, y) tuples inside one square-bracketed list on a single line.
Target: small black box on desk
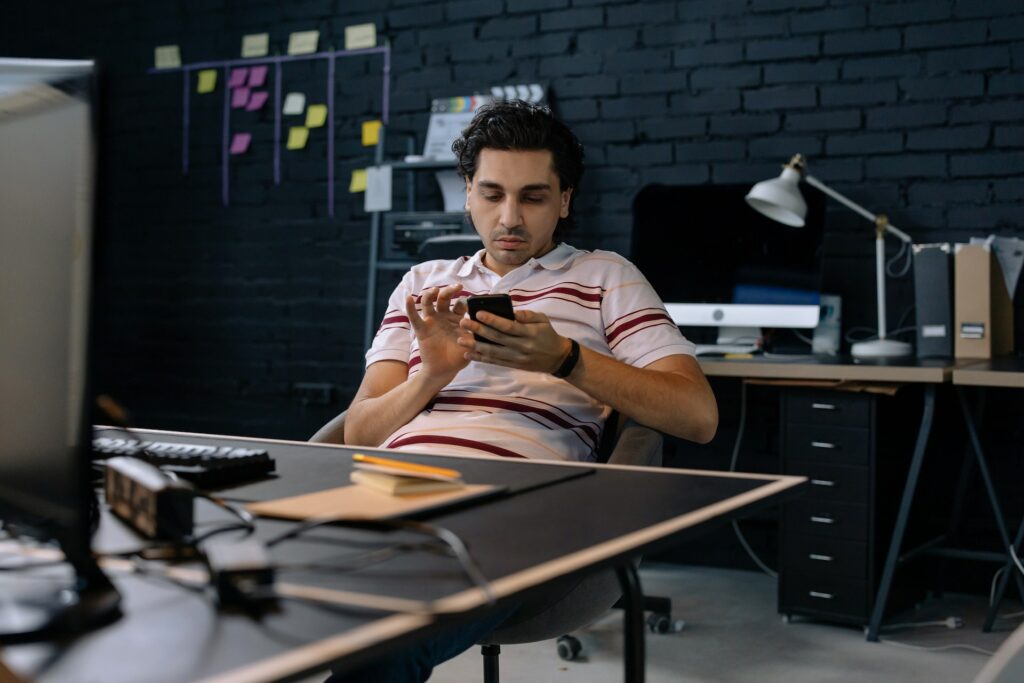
[(933, 296)]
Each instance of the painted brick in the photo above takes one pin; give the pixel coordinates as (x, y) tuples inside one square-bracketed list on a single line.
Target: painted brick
[(1006, 28), (574, 19), (861, 42), (909, 12), (775, 5), (583, 109), (782, 147), (589, 86), (1008, 190), (655, 83), (1003, 110), (599, 132), (676, 34), (725, 76), (714, 101), (612, 178), (864, 143), (839, 170), (710, 151), (751, 26), (424, 15), (947, 192), (881, 67), (1009, 136), (951, 137), (674, 127), (967, 59), (1006, 84), (473, 9), (991, 217), (991, 8), (745, 124), (854, 16), (792, 48), (651, 153), (996, 164), (543, 45), (781, 97), (607, 40), (505, 27), (801, 72), (743, 172), (906, 116), (676, 174), (570, 66), (943, 88), (907, 166), (946, 34), (515, 6), (689, 9), (444, 36), (700, 55), (826, 120), (632, 61), (868, 93), (643, 13)]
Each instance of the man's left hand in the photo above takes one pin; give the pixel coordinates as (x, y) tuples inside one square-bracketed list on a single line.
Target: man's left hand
[(527, 343)]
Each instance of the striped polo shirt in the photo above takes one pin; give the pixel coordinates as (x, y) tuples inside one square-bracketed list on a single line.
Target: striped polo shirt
[(597, 298)]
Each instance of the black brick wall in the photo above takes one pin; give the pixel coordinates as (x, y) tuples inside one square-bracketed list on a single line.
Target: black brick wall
[(214, 314)]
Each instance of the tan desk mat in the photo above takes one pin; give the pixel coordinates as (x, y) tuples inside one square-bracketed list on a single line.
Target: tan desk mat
[(361, 502)]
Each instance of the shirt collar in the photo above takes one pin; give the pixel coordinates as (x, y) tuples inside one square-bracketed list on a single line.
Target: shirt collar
[(553, 260)]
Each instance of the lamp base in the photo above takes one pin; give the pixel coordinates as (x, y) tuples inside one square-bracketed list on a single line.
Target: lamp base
[(881, 348)]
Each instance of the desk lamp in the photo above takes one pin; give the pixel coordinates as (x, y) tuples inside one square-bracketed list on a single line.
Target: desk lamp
[(780, 200)]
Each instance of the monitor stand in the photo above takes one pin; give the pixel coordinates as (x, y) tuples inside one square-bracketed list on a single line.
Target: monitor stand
[(40, 611), (739, 336)]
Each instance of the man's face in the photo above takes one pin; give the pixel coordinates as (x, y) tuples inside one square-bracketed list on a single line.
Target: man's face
[(515, 201)]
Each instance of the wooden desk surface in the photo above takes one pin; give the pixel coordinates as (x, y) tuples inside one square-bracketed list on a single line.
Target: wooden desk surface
[(838, 368), (998, 372), (521, 542)]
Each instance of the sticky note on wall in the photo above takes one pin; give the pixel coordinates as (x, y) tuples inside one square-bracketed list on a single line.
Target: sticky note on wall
[(359, 36), (167, 57), (237, 77), (303, 42), (257, 76), (255, 45), (371, 133), (207, 81), (297, 137), (358, 181), (240, 143), (294, 103), (316, 115)]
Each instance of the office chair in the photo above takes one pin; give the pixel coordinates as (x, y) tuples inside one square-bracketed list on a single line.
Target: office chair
[(1007, 664)]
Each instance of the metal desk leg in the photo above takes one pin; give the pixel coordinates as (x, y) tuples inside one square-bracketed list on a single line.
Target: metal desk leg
[(893, 556), (632, 622), (993, 500)]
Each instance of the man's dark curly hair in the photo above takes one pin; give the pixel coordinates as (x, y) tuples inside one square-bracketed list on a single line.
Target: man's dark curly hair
[(519, 125)]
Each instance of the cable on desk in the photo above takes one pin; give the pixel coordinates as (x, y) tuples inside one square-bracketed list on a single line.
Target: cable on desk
[(732, 468), (939, 648), (450, 538)]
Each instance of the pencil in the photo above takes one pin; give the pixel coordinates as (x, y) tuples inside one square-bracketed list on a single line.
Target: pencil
[(410, 466)]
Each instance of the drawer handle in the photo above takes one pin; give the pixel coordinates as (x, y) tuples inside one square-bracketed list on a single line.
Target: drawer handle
[(820, 558), (819, 594), (823, 482), (822, 444), (823, 406), (822, 519)]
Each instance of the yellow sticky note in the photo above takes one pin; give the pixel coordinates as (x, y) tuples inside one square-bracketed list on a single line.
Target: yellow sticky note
[(316, 115), (358, 182), (303, 42), (167, 57), (371, 133), (207, 81), (359, 36), (255, 45), (297, 137)]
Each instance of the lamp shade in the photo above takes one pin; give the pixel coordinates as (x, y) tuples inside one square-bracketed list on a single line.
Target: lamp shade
[(780, 199)]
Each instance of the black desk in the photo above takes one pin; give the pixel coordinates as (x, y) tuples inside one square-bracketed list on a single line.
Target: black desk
[(521, 543)]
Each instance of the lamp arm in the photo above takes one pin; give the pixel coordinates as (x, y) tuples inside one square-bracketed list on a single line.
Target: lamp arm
[(855, 207)]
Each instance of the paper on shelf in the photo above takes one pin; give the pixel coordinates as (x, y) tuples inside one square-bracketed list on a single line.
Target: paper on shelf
[(378, 189), (1010, 253), (453, 189)]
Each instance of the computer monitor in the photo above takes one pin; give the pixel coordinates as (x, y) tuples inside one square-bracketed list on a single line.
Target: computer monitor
[(47, 203), (717, 263)]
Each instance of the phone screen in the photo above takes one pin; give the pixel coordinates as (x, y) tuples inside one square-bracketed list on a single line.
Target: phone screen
[(498, 304)]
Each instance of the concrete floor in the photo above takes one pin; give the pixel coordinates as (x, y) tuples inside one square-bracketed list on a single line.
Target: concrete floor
[(734, 635)]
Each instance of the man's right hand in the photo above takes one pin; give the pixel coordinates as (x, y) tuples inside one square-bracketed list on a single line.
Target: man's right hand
[(437, 329)]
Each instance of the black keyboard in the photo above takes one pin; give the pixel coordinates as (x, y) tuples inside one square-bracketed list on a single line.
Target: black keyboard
[(206, 466)]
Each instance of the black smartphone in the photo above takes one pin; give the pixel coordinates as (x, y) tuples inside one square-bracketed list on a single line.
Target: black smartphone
[(498, 304)]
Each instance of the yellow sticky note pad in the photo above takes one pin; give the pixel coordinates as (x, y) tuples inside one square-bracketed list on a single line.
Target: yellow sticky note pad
[(371, 133), (297, 137), (316, 115), (167, 57), (207, 81), (360, 36), (303, 42), (255, 45), (358, 182)]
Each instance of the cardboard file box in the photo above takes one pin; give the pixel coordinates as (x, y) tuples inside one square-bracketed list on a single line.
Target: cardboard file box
[(933, 299), (983, 309)]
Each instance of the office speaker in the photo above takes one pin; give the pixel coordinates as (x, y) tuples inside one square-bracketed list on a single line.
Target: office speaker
[(933, 298)]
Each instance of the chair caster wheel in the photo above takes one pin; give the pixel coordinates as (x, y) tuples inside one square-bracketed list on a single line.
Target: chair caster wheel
[(663, 623), (569, 648)]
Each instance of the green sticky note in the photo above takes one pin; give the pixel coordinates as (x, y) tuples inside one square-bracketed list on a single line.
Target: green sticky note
[(358, 182), (316, 115), (207, 81), (297, 137)]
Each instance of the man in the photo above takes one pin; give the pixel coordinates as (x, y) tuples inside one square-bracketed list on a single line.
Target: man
[(590, 335)]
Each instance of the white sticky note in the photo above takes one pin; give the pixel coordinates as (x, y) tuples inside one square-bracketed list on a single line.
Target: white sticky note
[(255, 45), (359, 36), (294, 103), (303, 42), (378, 189), (167, 57)]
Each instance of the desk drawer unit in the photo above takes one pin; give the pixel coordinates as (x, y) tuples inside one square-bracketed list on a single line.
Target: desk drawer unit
[(826, 535)]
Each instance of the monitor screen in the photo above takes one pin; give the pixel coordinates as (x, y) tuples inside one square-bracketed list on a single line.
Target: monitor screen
[(704, 245)]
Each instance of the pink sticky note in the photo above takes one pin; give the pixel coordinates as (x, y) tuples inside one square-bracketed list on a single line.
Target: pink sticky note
[(257, 76), (240, 143), (256, 100), (239, 98), (238, 76)]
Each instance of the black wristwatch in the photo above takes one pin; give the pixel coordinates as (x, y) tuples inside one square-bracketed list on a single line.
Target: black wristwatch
[(569, 364)]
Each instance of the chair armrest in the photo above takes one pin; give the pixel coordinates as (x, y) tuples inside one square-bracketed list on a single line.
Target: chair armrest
[(332, 432), (637, 445)]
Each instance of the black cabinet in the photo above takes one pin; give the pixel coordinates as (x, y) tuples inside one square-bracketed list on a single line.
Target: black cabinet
[(855, 449)]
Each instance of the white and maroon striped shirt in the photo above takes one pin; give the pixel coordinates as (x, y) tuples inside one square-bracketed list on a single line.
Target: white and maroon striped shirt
[(597, 298)]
